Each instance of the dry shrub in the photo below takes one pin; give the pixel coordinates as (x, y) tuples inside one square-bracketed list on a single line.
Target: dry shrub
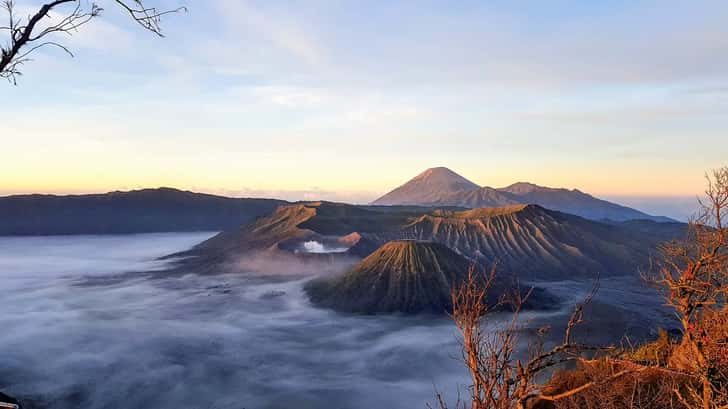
[(638, 387), (711, 338), (657, 352), (716, 347)]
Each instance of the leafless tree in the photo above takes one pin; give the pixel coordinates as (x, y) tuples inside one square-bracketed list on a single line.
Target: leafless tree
[(500, 380), (26, 34), (693, 273)]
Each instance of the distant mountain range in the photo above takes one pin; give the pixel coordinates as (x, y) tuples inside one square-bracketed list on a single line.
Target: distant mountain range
[(441, 186), (138, 211), (172, 210)]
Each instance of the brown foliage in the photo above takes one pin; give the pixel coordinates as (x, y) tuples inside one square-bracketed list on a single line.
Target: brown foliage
[(655, 353), (638, 387)]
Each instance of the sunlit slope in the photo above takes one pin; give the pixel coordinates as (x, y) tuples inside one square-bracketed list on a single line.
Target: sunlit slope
[(281, 233), (306, 220), (405, 276)]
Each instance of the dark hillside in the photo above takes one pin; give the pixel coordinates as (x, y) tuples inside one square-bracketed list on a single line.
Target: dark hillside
[(139, 211)]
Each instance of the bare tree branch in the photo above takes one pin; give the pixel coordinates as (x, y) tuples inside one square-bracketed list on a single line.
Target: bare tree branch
[(693, 275), (27, 36), (147, 17), (499, 379)]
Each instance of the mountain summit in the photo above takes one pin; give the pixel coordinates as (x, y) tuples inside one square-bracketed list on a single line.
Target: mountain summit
[(405, 276), (522, 188), (430, 186), (441, 187)]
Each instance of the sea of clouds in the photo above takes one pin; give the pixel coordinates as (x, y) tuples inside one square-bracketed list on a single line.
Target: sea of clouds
[(85, 324), (77, 334)]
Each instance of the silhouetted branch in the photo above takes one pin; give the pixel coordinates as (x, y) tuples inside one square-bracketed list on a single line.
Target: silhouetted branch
[(499, 380), (26, 36), (147, 17)]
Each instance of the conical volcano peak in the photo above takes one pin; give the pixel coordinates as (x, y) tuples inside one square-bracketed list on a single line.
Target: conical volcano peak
[(442, 174), (430, 186), (403, 275)]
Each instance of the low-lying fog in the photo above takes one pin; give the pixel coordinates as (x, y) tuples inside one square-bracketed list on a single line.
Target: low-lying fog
[(77, 334)]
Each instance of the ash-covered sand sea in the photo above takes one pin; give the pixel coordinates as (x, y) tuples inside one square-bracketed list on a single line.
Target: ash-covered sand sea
[(76, 333)]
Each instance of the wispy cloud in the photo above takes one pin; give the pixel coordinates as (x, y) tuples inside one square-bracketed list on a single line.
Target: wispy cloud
[(250, 92), (272, 25)]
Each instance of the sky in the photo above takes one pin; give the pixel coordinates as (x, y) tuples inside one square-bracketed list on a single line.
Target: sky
[(345, 100)]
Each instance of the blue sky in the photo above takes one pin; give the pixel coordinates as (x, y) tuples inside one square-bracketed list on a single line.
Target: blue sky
[(347, 99)]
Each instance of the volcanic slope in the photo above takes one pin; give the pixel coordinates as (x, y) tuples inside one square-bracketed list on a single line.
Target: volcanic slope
[(410, 277), (401, 276), (534, 243), (282, 235)]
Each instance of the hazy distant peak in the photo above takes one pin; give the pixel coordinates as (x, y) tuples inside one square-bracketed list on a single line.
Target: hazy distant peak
[(428, 187), (527, 187), (443, 175), (522, 187), (437, 170)]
